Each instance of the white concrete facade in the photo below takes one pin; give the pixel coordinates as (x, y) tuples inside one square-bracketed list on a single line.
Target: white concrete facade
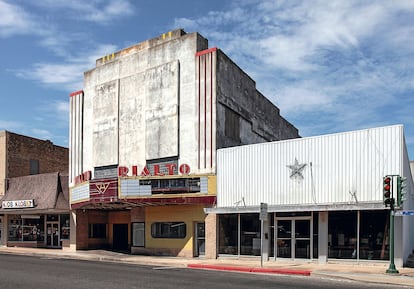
[(167, 98)]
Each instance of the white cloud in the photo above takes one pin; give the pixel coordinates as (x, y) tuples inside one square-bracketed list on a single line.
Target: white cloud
[(343, 58), (10, 125), (99, 11), (41, 133), (67, 75), (14, 20)]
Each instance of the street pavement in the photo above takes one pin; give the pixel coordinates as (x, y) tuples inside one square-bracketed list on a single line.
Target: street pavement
[(373, 272)]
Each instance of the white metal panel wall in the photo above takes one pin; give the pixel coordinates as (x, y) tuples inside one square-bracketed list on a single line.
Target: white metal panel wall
[(339, 168)]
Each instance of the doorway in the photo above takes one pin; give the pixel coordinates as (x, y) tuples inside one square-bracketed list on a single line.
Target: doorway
[(200, 239), (120, 237), (52, 234), (1, 229), (293, 237)]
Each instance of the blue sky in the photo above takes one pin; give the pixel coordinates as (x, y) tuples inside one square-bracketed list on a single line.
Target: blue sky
[(330, 66)]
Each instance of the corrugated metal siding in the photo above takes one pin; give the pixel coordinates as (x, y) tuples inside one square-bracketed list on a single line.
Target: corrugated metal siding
[(340, 168)]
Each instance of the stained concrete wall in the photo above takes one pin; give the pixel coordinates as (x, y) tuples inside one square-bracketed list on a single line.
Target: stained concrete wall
[(171, 98), (139, 104), (257, 119)]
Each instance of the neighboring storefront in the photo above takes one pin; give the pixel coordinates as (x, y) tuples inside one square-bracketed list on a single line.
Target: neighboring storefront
[(36, 212), (321, 197)]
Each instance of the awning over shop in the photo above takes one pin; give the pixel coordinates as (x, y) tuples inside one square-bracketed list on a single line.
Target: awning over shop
[(119, 204), (36, 194), (298, 208)]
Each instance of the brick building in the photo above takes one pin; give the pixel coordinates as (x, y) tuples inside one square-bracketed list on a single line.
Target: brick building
[(23, 155), (34, 194)]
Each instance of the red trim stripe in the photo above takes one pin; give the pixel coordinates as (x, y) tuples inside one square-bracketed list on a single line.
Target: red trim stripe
[(202, 52), (199, 112), (76, 93), (205, 111), (211, 111)]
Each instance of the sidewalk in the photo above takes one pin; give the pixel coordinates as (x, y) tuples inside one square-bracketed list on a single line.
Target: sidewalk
[(364, 271)]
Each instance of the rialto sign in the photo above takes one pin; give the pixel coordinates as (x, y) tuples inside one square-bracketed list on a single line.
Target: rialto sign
[(157, 170), (165, 170)]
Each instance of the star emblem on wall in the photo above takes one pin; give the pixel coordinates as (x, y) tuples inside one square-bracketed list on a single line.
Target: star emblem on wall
[(296, 170)]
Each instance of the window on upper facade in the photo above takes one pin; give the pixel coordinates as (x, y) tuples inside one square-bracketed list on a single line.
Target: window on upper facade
[(34, 167), (232, 125)]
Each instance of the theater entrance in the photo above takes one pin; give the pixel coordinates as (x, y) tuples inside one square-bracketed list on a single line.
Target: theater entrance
[(120, 237)]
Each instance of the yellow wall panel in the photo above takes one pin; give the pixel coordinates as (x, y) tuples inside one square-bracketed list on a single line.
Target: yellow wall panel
[(189, 214)]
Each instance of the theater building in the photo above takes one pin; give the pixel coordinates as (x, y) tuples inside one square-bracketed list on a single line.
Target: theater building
[(324, 198), (143, 138)]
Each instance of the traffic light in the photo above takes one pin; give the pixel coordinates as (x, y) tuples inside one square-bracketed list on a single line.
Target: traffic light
[(400, 190), (387, 191)]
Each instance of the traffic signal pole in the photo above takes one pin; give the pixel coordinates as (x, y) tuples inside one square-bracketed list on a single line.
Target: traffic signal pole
[(389, 198), (390, 184), (391, 269)]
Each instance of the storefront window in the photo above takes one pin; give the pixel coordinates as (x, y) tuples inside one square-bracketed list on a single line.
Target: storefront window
[(52, 218), (250, 234), (171, 230), (138, 234), (15, 228), (228, 224), (64, 227), (26, 228), (342, 231), (374, 235), (97, 231)]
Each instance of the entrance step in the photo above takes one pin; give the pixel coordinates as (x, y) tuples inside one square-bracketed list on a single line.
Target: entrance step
[(410, 261)]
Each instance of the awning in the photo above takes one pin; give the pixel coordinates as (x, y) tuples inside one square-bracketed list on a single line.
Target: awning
[(35, 194)]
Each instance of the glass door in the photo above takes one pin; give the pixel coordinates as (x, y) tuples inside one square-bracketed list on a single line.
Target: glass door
[(302, 239), (284, 239), (52, 235), (200, 244), (293, 238)]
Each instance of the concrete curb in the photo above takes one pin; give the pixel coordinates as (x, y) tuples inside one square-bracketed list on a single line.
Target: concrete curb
[(251, 270)]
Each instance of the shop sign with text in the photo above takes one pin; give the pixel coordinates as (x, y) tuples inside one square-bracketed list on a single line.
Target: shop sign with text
[(17, 204)]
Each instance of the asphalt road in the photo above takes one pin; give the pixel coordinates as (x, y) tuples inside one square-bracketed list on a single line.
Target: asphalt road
[(18, 272)]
